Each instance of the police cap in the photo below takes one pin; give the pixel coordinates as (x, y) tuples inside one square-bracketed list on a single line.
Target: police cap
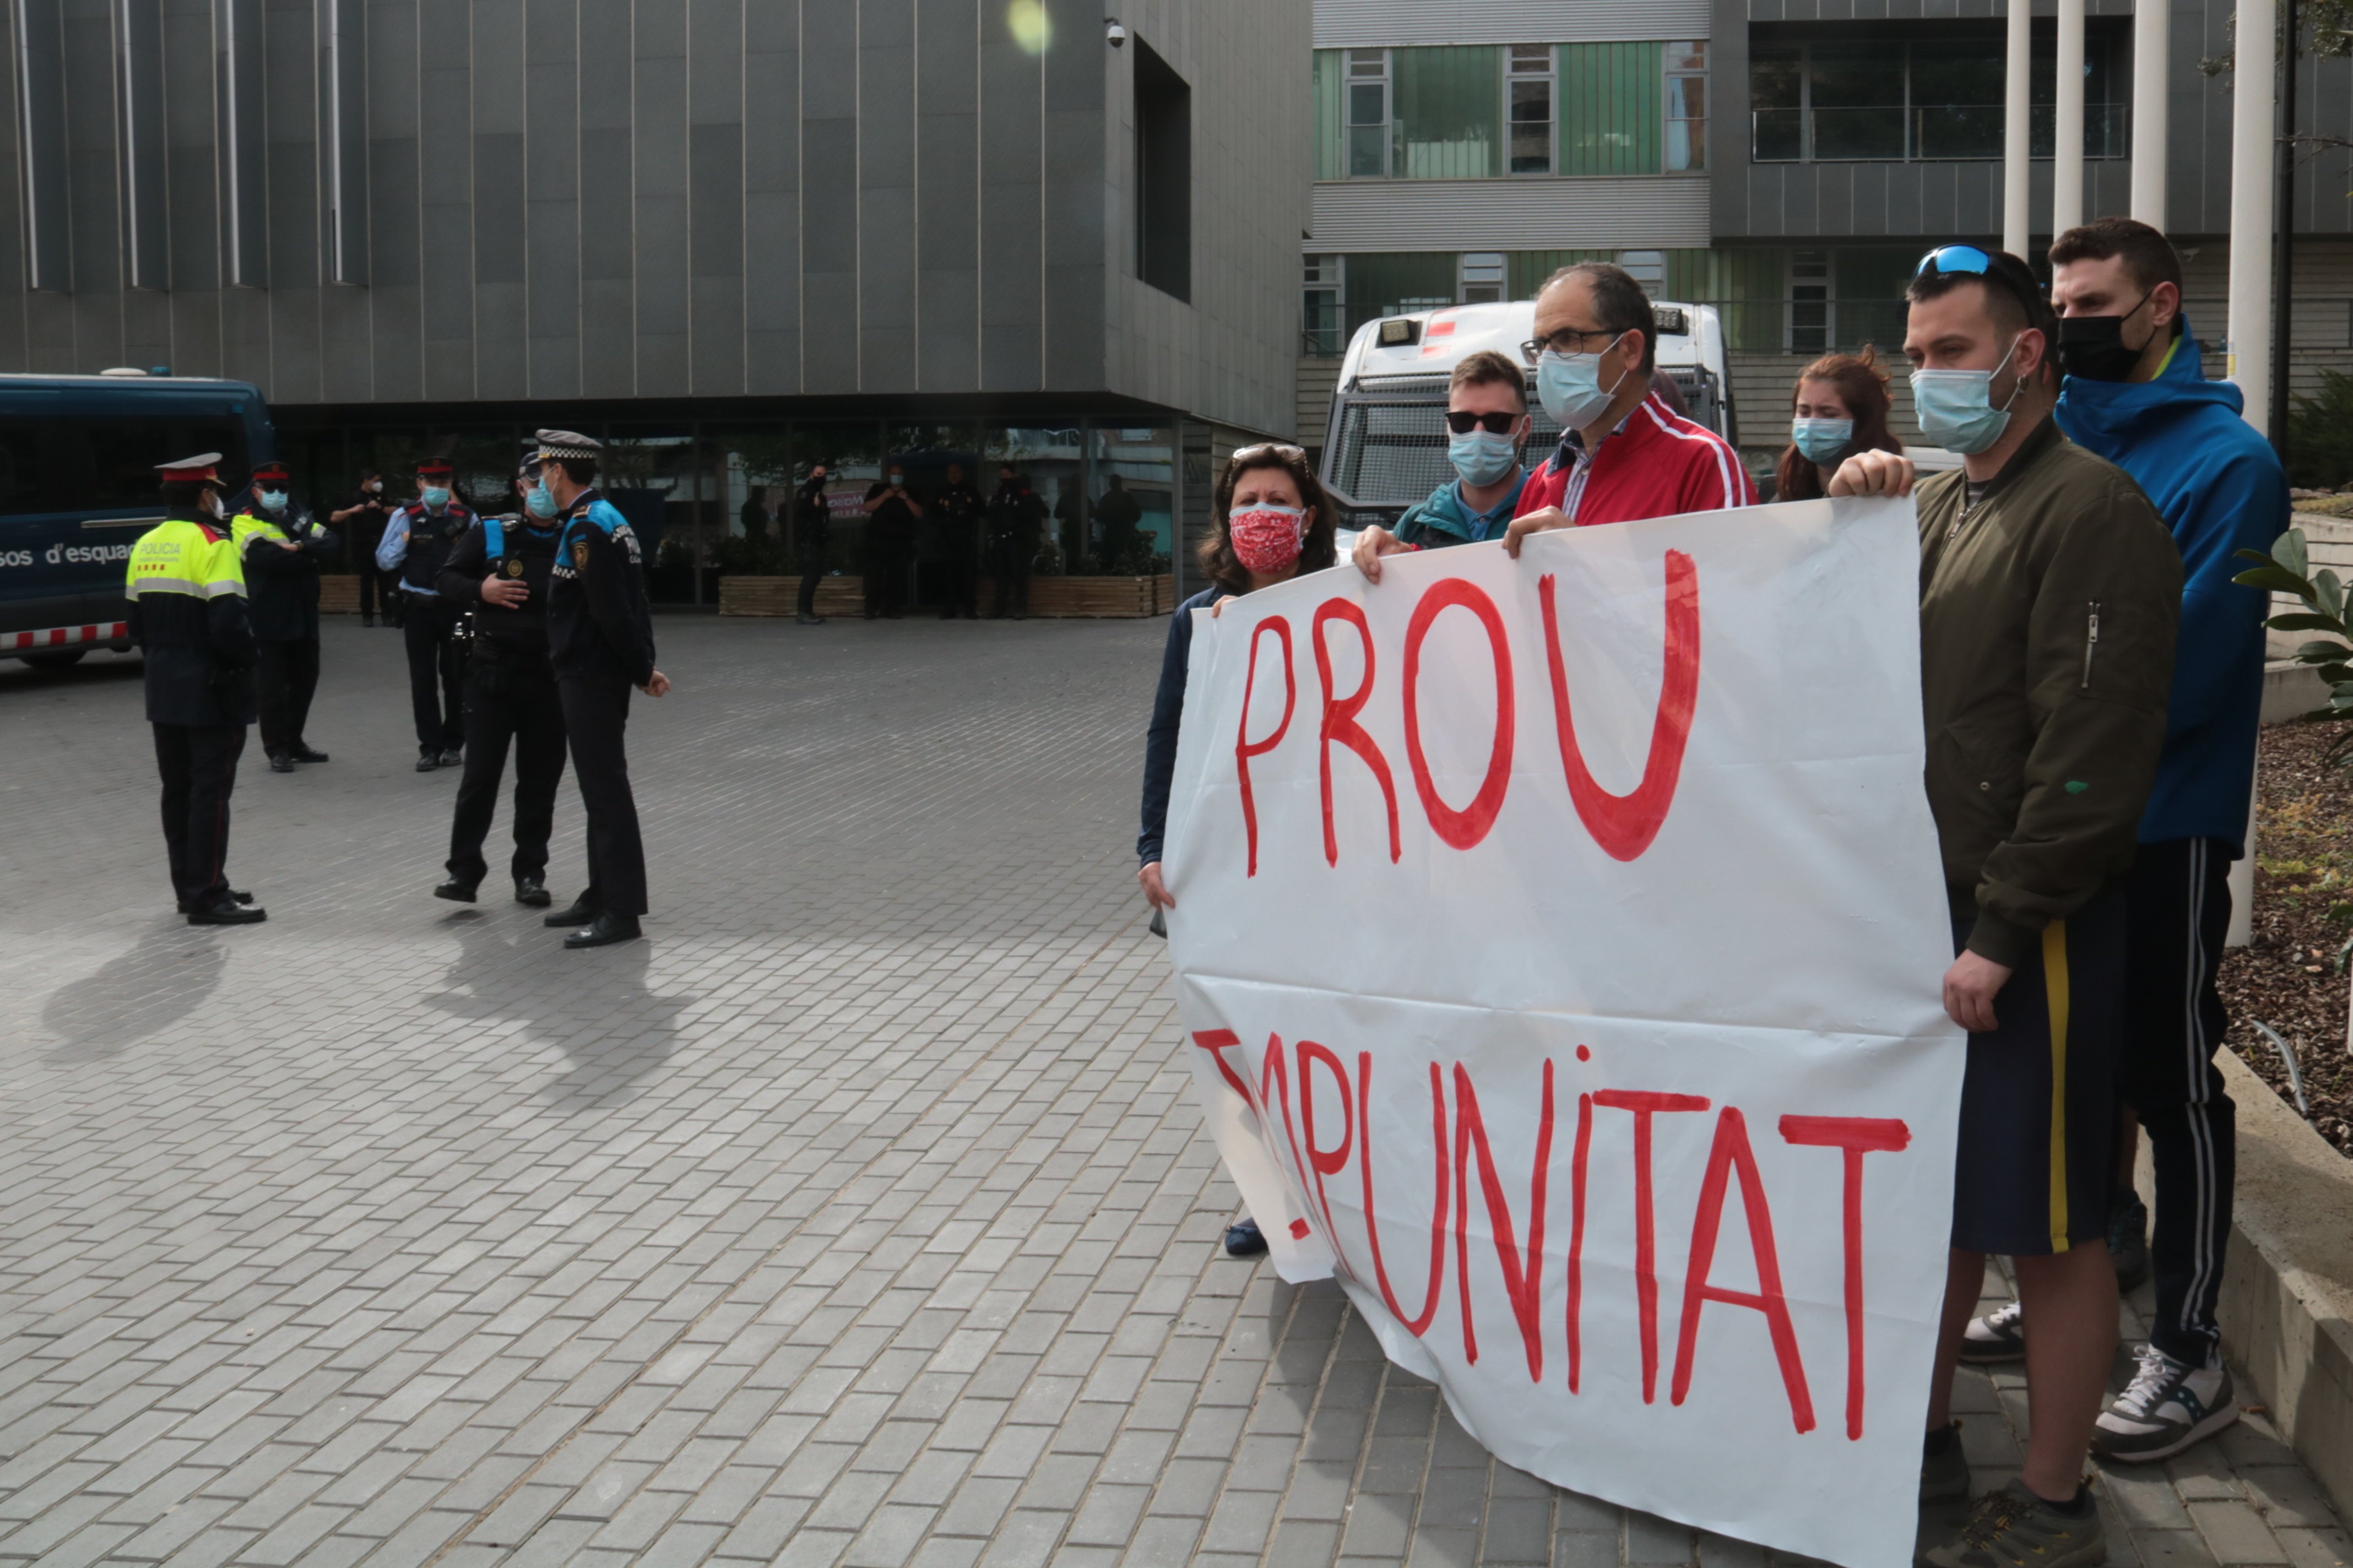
[(434, 468), (569, 444), (201, 469), (272, 470)]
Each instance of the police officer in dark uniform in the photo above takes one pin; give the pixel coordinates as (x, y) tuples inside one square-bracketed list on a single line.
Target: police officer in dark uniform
[(186, 588), (418, 540), (500, 573), (601, 640), (953, 530), (1016, 516), (283, 549), (812, 538)]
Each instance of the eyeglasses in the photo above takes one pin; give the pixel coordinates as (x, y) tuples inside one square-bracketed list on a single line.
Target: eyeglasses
[(1462, 421), (1570, 341)]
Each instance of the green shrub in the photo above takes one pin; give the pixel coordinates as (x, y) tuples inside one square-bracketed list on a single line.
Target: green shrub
[(2320, 435)]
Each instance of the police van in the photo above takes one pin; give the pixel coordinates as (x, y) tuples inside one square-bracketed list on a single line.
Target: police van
[(77, 487), (1385, 447)]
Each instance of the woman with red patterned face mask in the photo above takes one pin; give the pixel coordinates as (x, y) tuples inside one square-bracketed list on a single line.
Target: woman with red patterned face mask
[(1269, 522)]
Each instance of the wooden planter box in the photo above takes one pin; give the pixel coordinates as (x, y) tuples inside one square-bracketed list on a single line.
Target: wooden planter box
[(339, 594), (1057, 598), (781, 595), (1097, 598)]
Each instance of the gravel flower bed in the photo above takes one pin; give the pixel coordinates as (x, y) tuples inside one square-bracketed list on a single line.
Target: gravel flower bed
[(2291, 977)]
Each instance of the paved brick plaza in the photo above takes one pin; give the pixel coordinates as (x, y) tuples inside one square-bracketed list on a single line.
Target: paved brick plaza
[(858, 1216)]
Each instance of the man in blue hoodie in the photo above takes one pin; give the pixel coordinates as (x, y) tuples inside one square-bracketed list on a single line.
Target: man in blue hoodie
[(2135, 394), (1486, 424)]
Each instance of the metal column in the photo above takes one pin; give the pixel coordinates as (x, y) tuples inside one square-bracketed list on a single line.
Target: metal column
[(2152, 49), (2018, 110), (2067, 137)]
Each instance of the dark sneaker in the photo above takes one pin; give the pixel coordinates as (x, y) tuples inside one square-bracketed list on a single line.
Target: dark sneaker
[(1944, 1469), (458, 890), (530, 890), (2013, 1528), (2169, 1406), (427, 759), (1244, 1239), (1996, 1337), (279, 762), (451, 759), (2128, 1241), (305, 753)]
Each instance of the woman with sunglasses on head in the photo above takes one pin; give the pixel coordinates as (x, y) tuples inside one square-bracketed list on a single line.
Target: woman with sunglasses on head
[(1269, 522), (1486, 424), (1838, 408)]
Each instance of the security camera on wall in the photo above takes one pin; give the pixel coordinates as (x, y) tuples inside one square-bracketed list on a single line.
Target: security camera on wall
[(1114, 34)]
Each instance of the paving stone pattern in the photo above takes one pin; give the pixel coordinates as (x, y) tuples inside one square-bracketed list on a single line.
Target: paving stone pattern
[(859, 1216)]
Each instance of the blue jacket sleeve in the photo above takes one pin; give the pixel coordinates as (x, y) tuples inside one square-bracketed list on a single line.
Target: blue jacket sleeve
[(394, 550), (2244, 507), (1160, 738)]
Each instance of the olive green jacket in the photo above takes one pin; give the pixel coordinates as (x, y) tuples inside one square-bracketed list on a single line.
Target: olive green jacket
[(2047, 617)]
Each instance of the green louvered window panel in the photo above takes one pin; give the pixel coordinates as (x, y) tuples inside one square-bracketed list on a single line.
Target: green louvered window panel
[(1746, 285), (1331, 117), (1389, 283), (1612, 108), (1527, 269), (1448, 113)]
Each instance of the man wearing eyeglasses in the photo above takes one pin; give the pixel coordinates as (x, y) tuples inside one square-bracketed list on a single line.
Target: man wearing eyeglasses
[(1623, 453), (2050, 591), (1487, 426)]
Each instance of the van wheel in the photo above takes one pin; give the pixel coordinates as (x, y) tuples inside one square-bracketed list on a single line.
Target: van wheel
[(64, 658)]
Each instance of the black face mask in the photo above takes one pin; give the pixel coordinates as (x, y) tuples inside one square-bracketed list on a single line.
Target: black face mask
[(2093, 347)]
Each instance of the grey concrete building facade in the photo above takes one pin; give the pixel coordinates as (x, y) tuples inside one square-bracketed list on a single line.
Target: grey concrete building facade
[(452, 213)]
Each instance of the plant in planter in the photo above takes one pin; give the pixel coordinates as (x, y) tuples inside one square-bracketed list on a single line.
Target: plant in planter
[(2288, 570)]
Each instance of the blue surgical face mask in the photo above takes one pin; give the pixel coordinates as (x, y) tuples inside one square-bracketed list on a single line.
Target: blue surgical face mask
[(1482, 457), (1822, 440), (538, 499), (274, 500), (437, 495), (1569, 387), (1955, 409)]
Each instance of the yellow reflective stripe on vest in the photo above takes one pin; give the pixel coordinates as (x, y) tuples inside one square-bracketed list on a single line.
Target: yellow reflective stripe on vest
[(176, 558)]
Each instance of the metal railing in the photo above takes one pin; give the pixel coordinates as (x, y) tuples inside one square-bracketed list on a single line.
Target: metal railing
[(1897, 133)]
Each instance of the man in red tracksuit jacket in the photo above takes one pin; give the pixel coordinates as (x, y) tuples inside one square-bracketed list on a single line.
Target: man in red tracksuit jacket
[(1623, 455)]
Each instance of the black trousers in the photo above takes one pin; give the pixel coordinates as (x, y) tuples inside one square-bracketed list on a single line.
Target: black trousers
[(595, 714), (886, 579), (2178, 915), (290, 676), (1010, 568), (388, 584), (504, 706), (367, 576), (812, 572), (437, 674), (199, 766)]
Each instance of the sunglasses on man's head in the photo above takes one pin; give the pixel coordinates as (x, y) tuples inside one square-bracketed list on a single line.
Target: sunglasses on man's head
[(1462, 421), (1969, 262)]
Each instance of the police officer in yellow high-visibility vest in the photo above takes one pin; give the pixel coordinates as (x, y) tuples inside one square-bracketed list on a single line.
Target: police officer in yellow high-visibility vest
[(186, 588)]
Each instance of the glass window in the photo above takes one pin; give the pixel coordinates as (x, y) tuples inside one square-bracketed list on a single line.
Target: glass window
[(752, 525), (932, 456), (1331, 116), (1809, 302), (1611, 108), (1647, 268), (1530, 89), (1449, 111), (1482, 276), (656, 480), (1323, 325), (1387, 283), (1777, 102), (1957, 100), (1858, 100), (1687, 105), (1133, 504), (1369, 113), (1053, 459)]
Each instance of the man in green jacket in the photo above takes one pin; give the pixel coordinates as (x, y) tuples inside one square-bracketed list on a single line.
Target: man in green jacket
[(2050, 591)]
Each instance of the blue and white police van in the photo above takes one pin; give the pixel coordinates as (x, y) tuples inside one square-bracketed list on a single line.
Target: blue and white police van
[(77, 487)]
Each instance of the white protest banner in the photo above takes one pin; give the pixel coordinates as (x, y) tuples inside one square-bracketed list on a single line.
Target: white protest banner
[(1559, 944)]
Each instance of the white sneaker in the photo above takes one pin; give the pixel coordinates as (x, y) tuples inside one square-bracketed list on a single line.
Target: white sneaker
[(1997, 1336), (2169, 1406)]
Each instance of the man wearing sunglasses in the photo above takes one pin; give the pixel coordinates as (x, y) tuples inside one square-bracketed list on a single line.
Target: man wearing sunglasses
[(2049, 594), (1623, 453), (1487, 426)]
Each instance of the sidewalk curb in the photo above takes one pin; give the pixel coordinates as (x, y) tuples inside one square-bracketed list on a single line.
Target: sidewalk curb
[(2288, 1289)]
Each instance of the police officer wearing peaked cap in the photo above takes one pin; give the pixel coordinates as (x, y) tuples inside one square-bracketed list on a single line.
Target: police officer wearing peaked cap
[(417, 542), (186, 588), (600, 638), (500, 570)]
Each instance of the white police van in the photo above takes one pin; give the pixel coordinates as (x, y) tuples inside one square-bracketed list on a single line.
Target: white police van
[(1385, 447)]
